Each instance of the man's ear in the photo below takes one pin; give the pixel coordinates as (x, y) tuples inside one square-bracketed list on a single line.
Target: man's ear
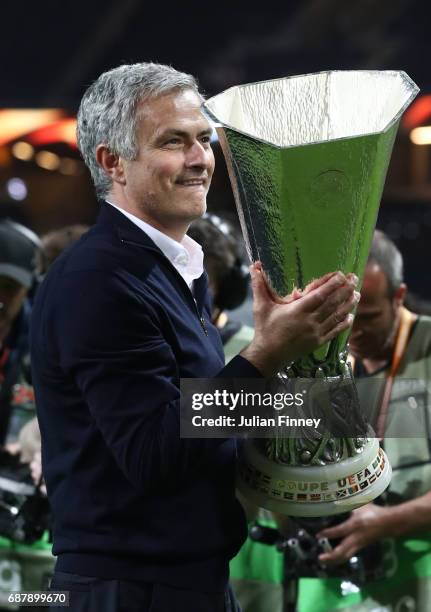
[(400, 294), (112, 164)]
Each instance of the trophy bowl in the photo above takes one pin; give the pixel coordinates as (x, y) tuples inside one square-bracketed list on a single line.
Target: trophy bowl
[(307, 157)]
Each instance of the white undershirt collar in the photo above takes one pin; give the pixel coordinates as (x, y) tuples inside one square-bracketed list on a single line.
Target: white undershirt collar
[(186, 256)]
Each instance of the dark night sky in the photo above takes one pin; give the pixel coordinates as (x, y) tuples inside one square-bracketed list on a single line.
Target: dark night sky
[(52, 50)]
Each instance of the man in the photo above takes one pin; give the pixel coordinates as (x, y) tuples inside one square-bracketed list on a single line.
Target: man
[(143, 519), (390, 343)]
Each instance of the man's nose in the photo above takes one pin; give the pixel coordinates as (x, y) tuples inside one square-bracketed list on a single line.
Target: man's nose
[(198, 155)]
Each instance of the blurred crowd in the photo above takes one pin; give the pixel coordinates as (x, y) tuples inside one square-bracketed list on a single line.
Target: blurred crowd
[(26, 562)]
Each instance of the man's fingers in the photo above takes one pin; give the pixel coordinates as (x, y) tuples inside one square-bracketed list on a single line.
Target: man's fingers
[(342, 326), (298, 293), (338, 531), (340, 313), (336, 301), (317, 291), (351, 276), (290, 297), (345, 549), (340, 554), (318, 298), (317, 282)]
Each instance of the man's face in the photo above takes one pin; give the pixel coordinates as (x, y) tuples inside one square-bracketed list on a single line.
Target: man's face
[(12, 296), (169, 181), (377, 316)]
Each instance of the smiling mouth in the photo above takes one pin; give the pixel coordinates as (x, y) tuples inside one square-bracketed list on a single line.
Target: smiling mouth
[(192, 183)]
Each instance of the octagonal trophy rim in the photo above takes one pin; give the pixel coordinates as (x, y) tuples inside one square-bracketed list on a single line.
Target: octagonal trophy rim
[(220, 124)]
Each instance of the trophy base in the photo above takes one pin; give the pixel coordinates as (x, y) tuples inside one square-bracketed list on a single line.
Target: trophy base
[(313, 491)]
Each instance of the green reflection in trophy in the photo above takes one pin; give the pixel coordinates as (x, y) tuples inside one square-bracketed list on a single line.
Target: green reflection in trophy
[(307, 158)]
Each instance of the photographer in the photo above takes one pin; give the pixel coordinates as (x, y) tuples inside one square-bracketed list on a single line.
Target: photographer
[(23, 565), (18, 249), (26, 560), (390, 344)]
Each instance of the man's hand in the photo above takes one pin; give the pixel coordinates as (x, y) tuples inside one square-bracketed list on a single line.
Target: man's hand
[(36, 471), (290, 327), (365, 526)]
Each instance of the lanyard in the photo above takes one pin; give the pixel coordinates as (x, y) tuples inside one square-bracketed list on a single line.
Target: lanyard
[(407, 319)]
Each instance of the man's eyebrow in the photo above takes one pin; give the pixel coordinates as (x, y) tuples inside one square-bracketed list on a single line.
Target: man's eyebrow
[(183, 133)]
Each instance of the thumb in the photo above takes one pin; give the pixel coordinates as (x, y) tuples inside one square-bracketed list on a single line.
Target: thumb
[(258, 284)]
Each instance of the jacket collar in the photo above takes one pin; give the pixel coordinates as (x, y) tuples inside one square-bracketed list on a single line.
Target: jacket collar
[(130, 233), (123, 227)]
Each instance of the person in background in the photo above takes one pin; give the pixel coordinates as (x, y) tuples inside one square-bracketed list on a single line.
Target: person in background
[(256, 572), (19, 247), (52, 244), (55, 242), (390, 345), (23, 566), (228, 278), (24, 260)]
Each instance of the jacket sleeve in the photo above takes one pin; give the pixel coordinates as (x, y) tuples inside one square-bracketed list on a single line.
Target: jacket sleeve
[(110, 341)]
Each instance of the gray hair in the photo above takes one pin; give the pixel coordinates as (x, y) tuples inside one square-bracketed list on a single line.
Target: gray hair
[(386, 255), (109, 111)]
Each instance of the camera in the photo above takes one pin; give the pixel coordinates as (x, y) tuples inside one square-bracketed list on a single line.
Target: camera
[(301, 549), (24, 509)]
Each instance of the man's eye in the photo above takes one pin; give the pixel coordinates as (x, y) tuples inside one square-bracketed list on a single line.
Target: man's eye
[(206, 139), (173, 142)]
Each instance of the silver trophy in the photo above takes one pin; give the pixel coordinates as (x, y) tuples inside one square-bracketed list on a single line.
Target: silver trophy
[(307, 157)]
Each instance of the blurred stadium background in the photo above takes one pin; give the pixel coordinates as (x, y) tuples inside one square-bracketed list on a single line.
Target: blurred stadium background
[(51, 51)]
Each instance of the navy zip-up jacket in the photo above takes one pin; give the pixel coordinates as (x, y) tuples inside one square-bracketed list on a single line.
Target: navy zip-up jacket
[(114, 328)]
